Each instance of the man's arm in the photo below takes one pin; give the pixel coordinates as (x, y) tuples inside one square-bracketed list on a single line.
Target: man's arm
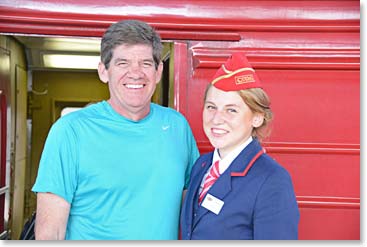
[(52, 217)]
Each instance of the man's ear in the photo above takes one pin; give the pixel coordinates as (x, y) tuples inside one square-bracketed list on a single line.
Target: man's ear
[(159, 72), (102, 72), (258, 120)]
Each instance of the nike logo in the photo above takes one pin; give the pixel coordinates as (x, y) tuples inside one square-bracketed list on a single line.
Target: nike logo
[(165, 127)]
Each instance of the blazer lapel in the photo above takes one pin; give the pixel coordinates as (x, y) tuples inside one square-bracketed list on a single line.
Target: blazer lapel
[(205, 164), (241, 162), (219, 189), (223, 185), (196, 181)]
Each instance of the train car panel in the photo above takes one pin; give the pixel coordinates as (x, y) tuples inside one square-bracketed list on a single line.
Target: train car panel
[(189, 20), (316, 130)]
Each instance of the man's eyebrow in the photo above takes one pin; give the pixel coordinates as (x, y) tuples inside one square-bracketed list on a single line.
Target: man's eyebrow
[(120, 59), (125, 59), (148, 60)]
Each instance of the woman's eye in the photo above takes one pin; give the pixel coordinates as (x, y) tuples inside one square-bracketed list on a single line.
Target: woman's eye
[(232, 110), (210, 107)]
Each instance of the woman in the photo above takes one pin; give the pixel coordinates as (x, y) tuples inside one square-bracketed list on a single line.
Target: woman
[(238, 191)]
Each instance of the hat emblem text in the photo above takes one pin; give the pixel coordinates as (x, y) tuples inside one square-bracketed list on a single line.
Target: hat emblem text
[(241, 79)]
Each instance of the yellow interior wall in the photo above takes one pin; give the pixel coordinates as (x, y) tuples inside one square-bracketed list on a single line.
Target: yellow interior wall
[(42, 109), (50, 87)]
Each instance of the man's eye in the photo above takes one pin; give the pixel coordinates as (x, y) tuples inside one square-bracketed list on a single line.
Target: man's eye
[(147, 64)]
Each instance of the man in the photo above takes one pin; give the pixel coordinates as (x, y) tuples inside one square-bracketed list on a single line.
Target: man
[(117, 169)]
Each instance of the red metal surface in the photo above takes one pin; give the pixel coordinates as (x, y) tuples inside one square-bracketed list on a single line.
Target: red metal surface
[(196, 20), (315, 99), (180, 74), (329, 224)]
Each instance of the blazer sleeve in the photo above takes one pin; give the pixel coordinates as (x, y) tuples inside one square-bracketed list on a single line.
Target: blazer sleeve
[(276, 213)]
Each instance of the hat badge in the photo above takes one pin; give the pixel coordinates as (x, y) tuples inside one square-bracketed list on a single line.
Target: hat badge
[(236, 74)]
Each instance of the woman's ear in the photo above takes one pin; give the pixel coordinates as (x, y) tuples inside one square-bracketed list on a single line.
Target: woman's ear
[(102, 72), (258, 120)]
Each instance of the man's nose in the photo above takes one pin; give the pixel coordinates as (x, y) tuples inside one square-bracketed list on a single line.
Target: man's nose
[(135, 70)]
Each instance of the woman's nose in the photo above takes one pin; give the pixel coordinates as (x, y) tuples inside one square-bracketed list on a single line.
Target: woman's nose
[(218, 117)]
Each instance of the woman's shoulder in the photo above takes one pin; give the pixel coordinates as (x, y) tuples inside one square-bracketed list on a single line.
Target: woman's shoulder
[(272, 167), (205, 157), (272, 175), (203, 161)]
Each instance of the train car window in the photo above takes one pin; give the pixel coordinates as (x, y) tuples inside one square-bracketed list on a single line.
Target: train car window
[(68, 110)]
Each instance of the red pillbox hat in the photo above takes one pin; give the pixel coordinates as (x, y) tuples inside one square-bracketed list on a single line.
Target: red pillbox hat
[(236, 74)]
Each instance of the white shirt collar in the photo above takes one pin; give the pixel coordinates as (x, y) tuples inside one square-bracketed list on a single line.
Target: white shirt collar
[(225, 163)]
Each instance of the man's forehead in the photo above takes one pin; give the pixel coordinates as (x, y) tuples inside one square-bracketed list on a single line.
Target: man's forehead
[(133, 53)]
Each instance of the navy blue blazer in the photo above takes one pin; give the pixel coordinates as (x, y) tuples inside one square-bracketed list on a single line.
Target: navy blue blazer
[(260, 205)]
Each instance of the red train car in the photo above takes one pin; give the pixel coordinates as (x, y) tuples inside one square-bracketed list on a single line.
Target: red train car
[(306, 52)]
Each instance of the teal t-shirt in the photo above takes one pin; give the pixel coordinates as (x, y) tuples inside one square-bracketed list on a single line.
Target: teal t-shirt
[(124, 179)]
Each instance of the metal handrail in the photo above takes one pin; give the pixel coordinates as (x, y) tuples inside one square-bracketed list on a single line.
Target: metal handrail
[(4, 189)]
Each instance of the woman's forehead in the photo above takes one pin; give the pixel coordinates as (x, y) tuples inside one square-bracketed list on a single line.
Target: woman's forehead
[(219, 96)]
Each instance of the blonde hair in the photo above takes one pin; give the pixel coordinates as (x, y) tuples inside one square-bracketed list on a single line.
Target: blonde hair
[(258, 102)]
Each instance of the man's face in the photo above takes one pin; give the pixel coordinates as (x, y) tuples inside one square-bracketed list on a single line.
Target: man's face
[(132, 79)]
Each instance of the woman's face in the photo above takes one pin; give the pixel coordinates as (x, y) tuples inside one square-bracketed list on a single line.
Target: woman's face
[(227, 120)]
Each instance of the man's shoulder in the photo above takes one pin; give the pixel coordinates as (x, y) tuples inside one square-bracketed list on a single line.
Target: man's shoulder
[(85, 112), (168, 112), (79, 117)]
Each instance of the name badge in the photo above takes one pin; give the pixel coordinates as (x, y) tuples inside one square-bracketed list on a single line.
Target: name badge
[(212, 203)]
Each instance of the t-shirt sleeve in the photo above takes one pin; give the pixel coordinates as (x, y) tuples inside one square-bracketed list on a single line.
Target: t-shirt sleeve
[(193, 155), (57, 172)]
